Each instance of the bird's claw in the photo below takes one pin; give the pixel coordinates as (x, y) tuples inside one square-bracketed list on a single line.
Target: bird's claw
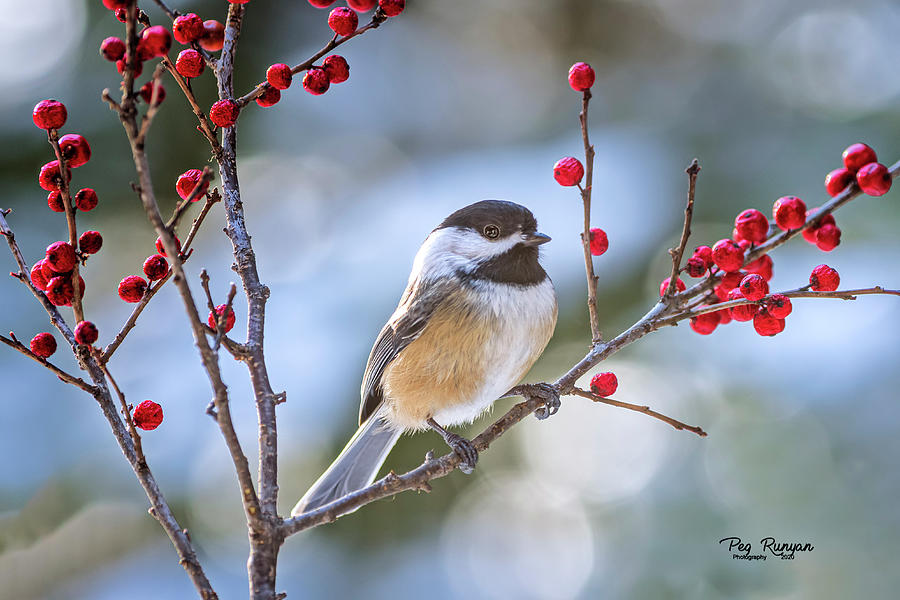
[(465, 450), (549, 395)]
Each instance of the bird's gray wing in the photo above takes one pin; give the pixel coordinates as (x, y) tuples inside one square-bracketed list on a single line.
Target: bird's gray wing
[(416, 307)]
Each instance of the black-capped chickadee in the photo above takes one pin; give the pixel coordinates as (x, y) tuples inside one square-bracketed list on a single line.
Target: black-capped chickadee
[(477, 313)]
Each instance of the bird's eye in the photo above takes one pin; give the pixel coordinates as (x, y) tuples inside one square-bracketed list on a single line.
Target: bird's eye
[(492, 232)]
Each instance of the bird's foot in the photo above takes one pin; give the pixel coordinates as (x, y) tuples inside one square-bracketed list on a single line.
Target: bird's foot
[(464, 448), (545, 392)]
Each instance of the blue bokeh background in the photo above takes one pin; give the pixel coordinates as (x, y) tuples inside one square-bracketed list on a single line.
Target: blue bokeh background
[(448, 104)]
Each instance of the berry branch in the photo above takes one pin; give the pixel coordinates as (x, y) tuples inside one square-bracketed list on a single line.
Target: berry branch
[(13, 342), (677, 254), (638, 408)]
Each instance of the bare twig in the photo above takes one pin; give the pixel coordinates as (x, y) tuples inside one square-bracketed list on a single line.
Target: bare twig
[(677, 254), (126, 412), (596, 336), (639, 408), (205, 127), (153, 107), (68, 378)]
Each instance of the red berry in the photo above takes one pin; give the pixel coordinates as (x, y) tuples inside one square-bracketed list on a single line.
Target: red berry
[(55, 202), (789, 212), (138, 67), (857, 155), (568, 171), (316, 81), (729, 282), (186, 183), (362, 5), (90, 242), (61, 257), (86, 199), (245, 1), (269, 97), (779, 306), (604, 384), (828, 237), (679, 285), (391, 8), (132, 288), (161, 249), (187, 28), (874, 179), (43, 344), (321, 3), (147, 415), (728, 255), (761, 266), (213, 37), (696, 266), (212, 320), (724, 316), (156, 41), (224, 113), (60, 291), (337, 68), (765, 324), (46, 270), (37, 276), (121, 14), (706, 323), (279, 76), (704, 252), (754, 287), (599, 242), (49, 114), (744, 312), (86, 333), (752, 225), (156, 267), (115, 4), (824, 279), (50, 178), (809, 234), (343, 21), (75, 149), (837, 180), (112, 49), (147, 92), (581, 76), (189, 63)]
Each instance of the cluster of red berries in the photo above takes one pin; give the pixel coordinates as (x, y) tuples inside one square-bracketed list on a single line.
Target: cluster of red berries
[(750, 282), (860, 165), (54, 274), (390, 8), (156, 267)]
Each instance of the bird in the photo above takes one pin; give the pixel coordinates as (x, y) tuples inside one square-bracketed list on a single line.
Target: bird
[(477, 312)]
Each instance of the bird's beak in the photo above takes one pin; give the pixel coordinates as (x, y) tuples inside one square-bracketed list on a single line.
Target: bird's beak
[(535, 239)]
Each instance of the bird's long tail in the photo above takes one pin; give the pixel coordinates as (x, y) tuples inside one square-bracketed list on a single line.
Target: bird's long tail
[(355, 467)]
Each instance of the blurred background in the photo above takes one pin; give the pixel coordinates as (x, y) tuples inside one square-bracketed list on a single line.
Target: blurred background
[(450, 103)]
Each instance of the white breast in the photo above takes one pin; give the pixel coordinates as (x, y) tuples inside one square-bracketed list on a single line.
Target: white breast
[(522, 320)]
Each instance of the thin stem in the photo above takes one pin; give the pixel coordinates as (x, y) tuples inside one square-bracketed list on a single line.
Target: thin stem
[(126, 412), (639, 408), (677, 254), (596, 336), (66, 194), (15, 344)]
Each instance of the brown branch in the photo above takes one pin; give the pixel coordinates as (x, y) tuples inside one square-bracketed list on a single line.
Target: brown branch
[(126, 412), (169, 12), (677, 254), (66, 194), (66, 377), (377, 19), (639, 408), (596, 336), (153, 289), (153, 108), (416, 479), (205, 127)]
